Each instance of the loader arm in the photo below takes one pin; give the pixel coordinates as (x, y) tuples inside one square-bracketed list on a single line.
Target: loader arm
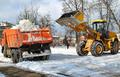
[(75, 21), (83, 27), (78, 28)]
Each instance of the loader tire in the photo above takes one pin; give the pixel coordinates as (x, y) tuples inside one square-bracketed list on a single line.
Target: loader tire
[(16, 55), (97, 49), (79, 49), (115, 47)]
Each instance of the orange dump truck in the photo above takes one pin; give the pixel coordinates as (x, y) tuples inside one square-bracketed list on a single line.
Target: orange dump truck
[(36, 43)]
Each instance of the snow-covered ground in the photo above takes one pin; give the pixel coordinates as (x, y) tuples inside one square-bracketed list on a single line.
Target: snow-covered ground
[(65, 62), (3, 59), (2, 75)]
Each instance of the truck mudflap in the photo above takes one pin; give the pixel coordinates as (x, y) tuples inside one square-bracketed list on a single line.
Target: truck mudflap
[(46, 53)]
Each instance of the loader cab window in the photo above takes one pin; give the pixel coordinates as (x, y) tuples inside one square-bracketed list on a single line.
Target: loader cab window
[(99, 27)]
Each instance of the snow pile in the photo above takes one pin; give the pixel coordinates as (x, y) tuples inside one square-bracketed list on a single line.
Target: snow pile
[(25, 25)]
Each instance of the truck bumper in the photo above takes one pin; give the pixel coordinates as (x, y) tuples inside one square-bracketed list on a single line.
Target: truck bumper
[(36, 55)]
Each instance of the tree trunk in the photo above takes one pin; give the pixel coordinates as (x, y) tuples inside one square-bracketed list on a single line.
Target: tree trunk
[(109, 8), (76, 37)]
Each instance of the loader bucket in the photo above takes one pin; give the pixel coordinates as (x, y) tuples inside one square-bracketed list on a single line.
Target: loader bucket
[(74, 18)]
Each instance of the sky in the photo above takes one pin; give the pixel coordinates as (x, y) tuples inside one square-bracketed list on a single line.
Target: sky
[(10, 9)]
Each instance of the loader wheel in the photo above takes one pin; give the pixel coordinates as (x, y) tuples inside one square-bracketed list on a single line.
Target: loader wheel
[(115, 47), (80, 50), (16, 55), (97, 49)]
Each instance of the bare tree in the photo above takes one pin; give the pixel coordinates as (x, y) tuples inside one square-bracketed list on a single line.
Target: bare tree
[(103, 7), (30, 14), (33, 15), (45, 20), (111, 12), (73, 5), (105, 10)]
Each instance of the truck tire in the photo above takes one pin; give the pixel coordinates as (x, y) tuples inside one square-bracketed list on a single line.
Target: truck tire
[(46, 49), (16, 55), (97, 49), (46, 57), (79, 49), (4, 50), (115, 47)]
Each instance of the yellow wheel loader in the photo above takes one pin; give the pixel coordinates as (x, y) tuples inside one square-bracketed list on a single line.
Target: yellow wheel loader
[(96, 38)]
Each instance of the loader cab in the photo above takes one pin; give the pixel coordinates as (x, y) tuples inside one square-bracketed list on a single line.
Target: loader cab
[(101, 27)]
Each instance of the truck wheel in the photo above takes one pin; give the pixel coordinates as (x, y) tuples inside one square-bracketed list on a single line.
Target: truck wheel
[(97, 49), (46, 57), (115, 47), (16, 55), (4, 50), (80, 50)]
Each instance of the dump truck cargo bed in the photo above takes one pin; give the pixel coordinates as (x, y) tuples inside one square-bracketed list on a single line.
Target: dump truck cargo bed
[(35, 43), (16, 39)]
